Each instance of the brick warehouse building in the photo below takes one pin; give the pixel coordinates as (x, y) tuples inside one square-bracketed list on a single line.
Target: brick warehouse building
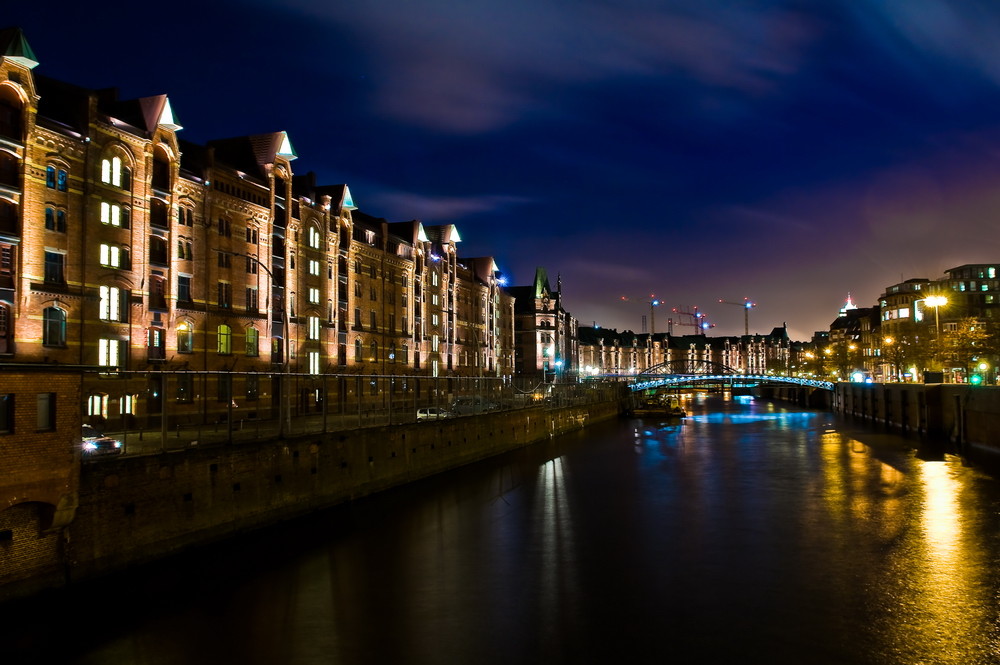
[(213, 271)]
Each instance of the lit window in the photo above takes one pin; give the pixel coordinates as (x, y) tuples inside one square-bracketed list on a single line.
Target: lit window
[(313, 327), (112, 173), (313, 237), (314, 362), (110, 303), (107, 352), (111, 256), (185, 338), (225, 339), (97, 405), (313, 267), (253, 338), (111, 214), (314, 295)]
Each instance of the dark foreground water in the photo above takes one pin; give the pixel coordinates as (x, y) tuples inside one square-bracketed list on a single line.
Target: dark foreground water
[(748, 533)]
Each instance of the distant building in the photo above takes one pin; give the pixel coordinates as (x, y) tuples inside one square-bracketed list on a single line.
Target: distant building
[(607, 351), (545, 334)]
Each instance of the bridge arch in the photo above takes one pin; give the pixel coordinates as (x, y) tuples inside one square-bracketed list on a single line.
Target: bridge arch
[(668, 380), (686, 366)]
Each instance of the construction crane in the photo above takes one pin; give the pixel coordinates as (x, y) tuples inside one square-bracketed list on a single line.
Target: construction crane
[(653, 302), (747, 305), (697, 320)]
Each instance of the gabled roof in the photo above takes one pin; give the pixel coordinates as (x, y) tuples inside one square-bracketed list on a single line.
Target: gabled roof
[(443, 234), (411, 231), (14, 46), (144, 113), (340, 196), (157, 112), (251, 153), (483, 267)]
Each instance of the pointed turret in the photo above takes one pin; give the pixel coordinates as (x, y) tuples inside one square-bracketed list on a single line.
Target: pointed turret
[(14, 46)]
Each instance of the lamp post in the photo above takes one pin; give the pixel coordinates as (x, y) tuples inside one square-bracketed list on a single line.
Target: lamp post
[(937, 302)]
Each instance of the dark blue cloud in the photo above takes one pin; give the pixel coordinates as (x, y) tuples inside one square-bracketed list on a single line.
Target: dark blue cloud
[(788, 152)]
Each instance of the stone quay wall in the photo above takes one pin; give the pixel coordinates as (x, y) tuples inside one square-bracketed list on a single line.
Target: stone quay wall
[(963, 417), (137, 509)]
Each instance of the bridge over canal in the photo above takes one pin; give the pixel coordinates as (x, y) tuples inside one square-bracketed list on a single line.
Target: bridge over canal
[(688, 373)]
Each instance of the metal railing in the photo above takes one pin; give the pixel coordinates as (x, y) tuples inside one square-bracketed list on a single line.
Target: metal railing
[(161, 411)]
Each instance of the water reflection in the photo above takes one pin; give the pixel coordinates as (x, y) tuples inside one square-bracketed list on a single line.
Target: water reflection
[(748, 532)]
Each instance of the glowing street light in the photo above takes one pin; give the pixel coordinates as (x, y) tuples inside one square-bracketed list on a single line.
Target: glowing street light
[(937, 302)]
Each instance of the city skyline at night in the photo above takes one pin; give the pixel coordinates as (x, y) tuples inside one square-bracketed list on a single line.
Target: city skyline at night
[(697, 152)]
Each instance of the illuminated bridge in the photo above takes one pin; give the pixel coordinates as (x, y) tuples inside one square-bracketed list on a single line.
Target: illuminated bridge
[(678, 373)]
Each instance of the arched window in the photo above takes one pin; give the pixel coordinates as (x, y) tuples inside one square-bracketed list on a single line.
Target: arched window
[(97, 407), (225, 337), (114, 172), (314, 237), (374, 357), (161, 171), (11, 115), (252, 342), (185, 338), (392, 352), (53, 327), (158, 250), (158, 213), (358, 351), (404, 354)]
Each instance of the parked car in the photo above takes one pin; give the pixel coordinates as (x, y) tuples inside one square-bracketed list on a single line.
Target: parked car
[(433, 413), (94, 442)]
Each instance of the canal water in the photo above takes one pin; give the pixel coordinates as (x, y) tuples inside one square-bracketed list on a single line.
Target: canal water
[(749, 532)]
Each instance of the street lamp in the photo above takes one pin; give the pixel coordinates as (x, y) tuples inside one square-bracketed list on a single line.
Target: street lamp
[(937, 302)]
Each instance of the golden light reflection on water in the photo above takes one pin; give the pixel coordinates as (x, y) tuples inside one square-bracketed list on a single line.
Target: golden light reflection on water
[(558, 578), (933, 605)]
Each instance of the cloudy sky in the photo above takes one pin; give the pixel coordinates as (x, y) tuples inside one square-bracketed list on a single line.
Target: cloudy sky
[(787, 152)]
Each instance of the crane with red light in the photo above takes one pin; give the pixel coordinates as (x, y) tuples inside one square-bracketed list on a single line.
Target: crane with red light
[(652, 302), (698, 319), (747, 305)]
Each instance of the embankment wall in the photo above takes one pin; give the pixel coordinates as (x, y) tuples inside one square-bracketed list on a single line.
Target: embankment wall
[(136, 509)]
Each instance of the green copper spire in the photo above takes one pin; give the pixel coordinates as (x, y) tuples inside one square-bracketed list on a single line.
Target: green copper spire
[(13, 45)]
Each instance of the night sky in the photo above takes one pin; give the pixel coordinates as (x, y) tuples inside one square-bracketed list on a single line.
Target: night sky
[(787, 152)]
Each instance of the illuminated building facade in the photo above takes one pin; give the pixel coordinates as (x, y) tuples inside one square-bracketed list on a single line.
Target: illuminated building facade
[(124, 247), (546, 337), (607, 351)]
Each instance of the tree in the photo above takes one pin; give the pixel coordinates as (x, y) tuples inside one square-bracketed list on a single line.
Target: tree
[(911, 347), (972, 341)]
